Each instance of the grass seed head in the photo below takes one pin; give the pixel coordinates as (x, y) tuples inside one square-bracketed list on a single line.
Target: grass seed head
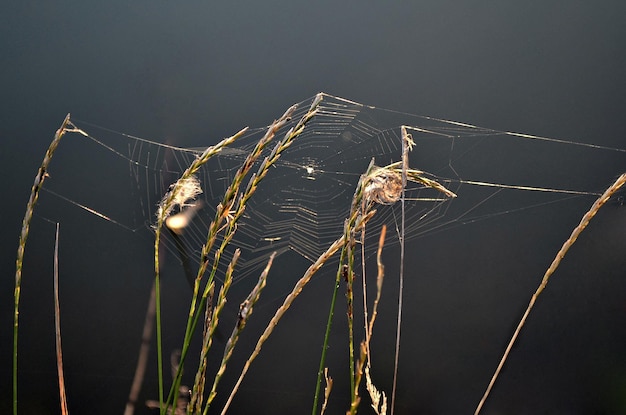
[(181, 193)]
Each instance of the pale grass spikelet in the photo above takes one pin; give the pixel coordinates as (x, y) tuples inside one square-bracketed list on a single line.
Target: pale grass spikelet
[(180, 194), (327, 389), (379, 399)]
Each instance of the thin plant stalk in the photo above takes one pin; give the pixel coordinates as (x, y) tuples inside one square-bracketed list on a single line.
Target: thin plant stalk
[(211, 322), (364, 284), (57, 326), (197, 392), (322, 365), (144, 350), (379, 285), (41, 176), (407, 142), (378, 399), (621, 180), (350, 306), (327, 389)]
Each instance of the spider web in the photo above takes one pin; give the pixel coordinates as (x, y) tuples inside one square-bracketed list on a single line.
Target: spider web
[(302, 203)]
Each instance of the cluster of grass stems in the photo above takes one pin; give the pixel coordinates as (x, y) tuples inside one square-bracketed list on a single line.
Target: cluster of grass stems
[(222, 228)]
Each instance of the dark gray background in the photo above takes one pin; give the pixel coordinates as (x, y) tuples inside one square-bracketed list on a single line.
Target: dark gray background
[(194, 72)]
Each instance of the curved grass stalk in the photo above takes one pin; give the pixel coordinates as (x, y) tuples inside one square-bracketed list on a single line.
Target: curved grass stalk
[(350, 306), (407, 144), (42, 174), (211, 320), (340, 272), (379, 400), (57, 326), (621, 180)]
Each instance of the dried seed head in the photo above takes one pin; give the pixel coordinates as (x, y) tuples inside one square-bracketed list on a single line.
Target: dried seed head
[(384, 186)]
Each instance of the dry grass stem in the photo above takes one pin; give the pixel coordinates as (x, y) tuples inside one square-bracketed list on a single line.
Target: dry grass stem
[(197, 391), (210, 328), (144, 350), (379, 288), (327, 389), (553, 266), (348, 269), (379, 400), (407, 144), (366, 357), (57, 325)]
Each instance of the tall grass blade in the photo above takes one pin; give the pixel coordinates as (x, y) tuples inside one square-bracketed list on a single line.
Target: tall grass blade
[(407, 143)]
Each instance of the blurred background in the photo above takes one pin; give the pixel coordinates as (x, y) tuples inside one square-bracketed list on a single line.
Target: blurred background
[(191, 73)]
